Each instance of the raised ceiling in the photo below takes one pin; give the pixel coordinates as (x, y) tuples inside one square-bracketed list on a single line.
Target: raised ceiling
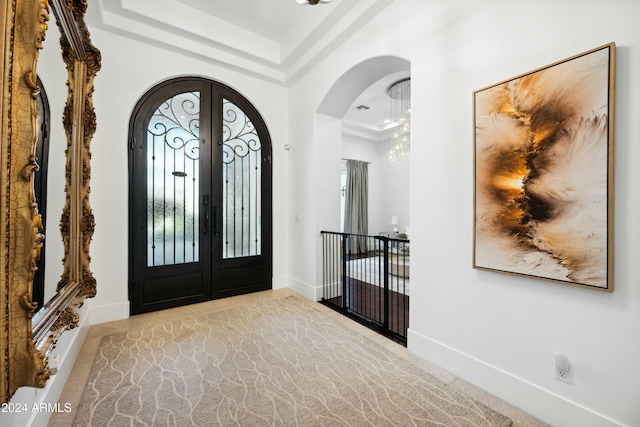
[(372, 123), (277, 40)]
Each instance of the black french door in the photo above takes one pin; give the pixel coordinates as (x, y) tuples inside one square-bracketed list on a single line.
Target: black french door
[(200, 196)]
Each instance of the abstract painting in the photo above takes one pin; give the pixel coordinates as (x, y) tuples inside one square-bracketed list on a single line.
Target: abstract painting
[(544, 172)]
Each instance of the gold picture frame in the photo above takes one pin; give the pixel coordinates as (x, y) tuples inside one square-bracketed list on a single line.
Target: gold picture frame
[(543, 172), (25, 341)]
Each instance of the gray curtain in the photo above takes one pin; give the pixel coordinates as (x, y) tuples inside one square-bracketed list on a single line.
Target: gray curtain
[(356, 211)]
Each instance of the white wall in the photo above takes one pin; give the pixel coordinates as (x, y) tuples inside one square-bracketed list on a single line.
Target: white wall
[(497, 331), (395, 194)]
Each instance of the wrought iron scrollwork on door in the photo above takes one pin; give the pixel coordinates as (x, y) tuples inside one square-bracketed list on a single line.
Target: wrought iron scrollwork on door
[(242, 171), (173, 174)]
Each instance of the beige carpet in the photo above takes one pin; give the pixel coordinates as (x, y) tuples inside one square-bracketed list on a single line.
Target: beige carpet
[(282, 362)]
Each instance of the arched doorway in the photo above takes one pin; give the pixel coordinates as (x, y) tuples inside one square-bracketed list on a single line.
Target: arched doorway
[(334, 111), (365, 277), (200, 196)]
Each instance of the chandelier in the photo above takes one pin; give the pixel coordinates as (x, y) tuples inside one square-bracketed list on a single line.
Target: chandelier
[(312, 2), (399, 144)]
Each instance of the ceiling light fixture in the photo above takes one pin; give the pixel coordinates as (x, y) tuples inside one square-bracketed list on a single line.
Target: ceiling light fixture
[(400, 141), (312, 2)]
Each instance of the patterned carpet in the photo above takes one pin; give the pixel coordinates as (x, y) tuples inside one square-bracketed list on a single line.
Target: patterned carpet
[(282, 362)]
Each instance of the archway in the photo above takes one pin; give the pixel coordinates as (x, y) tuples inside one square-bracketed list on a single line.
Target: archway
[(331, 128), (367, 271)]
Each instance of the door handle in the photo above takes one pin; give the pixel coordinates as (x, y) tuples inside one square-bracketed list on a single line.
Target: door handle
[(215, 221), (205, 202)]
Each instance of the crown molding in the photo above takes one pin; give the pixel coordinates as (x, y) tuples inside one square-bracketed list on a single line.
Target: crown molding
[(175, 26)]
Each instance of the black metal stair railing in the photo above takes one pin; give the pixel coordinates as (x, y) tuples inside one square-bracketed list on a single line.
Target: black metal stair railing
[(367, 279)]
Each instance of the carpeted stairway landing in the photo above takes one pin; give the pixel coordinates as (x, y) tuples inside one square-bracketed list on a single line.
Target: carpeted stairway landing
[(282, 362)]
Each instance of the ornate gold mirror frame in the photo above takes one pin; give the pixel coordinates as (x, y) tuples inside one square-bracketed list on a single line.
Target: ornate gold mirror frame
[(26, 341)]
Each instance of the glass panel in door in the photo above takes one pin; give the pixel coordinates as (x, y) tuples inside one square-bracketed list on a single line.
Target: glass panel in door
[(173, 181), (241, 184)]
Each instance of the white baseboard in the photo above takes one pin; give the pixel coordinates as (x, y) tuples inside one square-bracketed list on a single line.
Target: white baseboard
[(108, 313), (280, 282), (540, 403), (314, 293)]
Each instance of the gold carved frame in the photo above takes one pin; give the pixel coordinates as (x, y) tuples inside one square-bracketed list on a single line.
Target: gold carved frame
[(27, 340)]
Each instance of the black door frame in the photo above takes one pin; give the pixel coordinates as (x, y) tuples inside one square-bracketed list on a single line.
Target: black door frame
[(228, 270)]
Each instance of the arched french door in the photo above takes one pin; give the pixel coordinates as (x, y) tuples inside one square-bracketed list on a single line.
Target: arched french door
[(200, 196)]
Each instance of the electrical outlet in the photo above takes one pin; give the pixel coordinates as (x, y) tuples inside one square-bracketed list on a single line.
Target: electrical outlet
[(562, 368)]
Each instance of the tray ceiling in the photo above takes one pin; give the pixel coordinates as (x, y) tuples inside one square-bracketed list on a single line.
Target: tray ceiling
[(277, 40)]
